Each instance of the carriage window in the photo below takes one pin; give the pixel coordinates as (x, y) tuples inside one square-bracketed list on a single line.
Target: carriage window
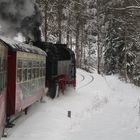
[(36, 73), (19, 71), (5, 72), (19, 63), (33, 73), (41, 72), (29, 70), (2, 65), (24, 74), (19, 75), (29, 74), (1, 75), (40, 69), (44, 68), (37, 69), (30, 64), (34, 69), (37, 64), (25, 65)]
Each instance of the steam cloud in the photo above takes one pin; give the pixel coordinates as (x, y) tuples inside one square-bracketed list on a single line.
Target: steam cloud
[(20, 16)]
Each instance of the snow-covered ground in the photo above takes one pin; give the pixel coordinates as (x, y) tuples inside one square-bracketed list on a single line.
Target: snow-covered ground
[(102, 108)]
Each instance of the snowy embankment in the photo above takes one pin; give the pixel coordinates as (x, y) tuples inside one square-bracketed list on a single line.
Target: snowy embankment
[(102, 108)]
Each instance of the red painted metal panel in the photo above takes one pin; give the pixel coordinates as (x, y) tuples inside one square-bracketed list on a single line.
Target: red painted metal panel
[(11, 83), (62, 81)]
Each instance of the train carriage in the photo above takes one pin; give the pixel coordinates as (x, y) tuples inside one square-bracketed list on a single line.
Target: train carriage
[(27, 73), (26, 76), (3, 85)]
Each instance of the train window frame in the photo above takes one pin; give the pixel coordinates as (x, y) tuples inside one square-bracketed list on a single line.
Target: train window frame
[(19, 75), (25, 70), (3, 73), (34, 68), (44, 68), (40, 69), (29, 70)]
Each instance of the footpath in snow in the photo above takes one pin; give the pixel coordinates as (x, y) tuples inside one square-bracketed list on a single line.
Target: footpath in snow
[(102, 108)]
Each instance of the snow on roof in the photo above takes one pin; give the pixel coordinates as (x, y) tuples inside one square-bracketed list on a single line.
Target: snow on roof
[(19, 46)]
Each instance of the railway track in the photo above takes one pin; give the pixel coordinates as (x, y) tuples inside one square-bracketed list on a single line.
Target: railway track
[(83, 77), (87, 83)]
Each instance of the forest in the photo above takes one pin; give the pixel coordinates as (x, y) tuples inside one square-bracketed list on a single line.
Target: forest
[(105, 34)]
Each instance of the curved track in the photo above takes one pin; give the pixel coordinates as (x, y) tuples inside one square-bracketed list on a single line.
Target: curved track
[(83, 79)]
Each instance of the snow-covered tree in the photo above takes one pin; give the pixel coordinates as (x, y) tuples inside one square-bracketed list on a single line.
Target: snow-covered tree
[(122, 39)]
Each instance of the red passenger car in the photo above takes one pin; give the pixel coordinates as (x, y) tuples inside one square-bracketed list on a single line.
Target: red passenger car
[(3, 85), (26, 76)]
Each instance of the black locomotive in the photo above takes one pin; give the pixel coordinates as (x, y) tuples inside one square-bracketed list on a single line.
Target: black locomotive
[(60, 67)]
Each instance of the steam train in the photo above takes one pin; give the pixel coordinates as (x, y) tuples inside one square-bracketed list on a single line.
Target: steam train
[(28, 73)]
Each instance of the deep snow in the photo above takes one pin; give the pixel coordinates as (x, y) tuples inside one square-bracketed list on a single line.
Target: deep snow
[(102, 108)]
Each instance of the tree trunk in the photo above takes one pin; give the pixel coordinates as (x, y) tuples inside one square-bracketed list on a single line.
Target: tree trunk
[(68, 32), (125, 57), (82, 38), (60, 21), (46, 23), (98, 43), (71, 43), (77, 45)]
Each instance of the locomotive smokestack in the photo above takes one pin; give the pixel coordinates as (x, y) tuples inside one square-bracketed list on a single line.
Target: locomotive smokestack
[(20, 16)]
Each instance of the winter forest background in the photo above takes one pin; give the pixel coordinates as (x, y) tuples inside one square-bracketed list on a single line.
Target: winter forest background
[(105, 34)]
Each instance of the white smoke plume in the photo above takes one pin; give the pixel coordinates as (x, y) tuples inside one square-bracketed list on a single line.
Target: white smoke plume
[(20, 16)]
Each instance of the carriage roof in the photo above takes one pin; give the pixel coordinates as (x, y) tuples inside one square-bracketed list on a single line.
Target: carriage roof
[(19, 46)]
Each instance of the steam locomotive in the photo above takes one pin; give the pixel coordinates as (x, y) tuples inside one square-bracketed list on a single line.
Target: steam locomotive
[(28, 73), (60, 67)]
